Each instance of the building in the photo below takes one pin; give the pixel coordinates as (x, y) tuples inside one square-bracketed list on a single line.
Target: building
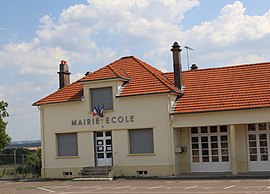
[(143, 122)]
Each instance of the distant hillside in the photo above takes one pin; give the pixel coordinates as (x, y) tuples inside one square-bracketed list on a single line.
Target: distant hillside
[(24, 144)]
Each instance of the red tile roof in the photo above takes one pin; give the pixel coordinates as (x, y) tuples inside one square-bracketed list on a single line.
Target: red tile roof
[(70, 93), (141, 79), (227, 88), (214, 89)]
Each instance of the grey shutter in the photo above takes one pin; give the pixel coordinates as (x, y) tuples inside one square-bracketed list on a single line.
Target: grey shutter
[(102, 98), (141, 141), (67, 144)]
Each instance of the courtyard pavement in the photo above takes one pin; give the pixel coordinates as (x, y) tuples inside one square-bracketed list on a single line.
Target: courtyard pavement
[(137, 186)]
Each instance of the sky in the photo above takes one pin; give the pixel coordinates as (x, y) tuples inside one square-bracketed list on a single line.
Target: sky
[(89, 34)]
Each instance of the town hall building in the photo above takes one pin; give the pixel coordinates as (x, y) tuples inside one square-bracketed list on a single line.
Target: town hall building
[(136, 120)]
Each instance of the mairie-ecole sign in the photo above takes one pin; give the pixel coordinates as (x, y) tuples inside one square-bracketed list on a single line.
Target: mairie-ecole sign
[(104, 120)]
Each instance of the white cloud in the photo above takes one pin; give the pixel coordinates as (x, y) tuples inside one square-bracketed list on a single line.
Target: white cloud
[(231, 25)]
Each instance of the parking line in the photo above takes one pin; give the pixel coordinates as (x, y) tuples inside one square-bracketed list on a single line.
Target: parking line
[(48, 190), (123, 187), (191, 187), (157, 187), (229, 187)]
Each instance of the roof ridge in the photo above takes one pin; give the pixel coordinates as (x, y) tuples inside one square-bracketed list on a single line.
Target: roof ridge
[(225, 67), (169, 86), (113, 70)]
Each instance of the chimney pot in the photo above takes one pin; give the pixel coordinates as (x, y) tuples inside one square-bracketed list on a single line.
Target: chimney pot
[(64, 74), (194, 67), (176, 49)]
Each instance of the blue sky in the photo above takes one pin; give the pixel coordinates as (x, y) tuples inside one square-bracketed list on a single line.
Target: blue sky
[(36, 35)]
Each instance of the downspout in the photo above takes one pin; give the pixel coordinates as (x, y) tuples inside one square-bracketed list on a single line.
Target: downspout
[(171, 139), (42, 142)]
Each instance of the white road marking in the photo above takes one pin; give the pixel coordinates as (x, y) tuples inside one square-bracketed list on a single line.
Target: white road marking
[(123, 187), (268, 187), (191, 187), (229, 187), (157, 187), (48, 190)]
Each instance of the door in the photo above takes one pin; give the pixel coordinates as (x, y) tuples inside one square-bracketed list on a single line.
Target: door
[(103, 148), (210, 149), (258, 144)]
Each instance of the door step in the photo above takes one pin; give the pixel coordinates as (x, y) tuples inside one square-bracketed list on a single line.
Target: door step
[(96, 172)]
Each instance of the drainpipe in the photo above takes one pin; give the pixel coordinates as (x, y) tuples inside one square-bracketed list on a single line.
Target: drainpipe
[(42, 141)]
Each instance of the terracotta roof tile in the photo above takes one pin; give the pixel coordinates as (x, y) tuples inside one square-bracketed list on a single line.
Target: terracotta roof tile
[(227, 88), (214, 89), (70, 93), (140, 78)]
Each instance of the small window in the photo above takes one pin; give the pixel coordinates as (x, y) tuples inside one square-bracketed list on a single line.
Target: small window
[(67, 144), (101, 98), (141, 141)]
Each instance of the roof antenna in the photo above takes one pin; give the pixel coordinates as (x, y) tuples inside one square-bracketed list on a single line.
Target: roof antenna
[(188, 48)]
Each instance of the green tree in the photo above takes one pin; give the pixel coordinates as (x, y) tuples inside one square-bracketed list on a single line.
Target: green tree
[(4, 137), (33, 160)]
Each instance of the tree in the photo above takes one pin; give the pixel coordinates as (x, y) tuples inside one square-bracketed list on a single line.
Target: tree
[(4, 137), (34, 161)]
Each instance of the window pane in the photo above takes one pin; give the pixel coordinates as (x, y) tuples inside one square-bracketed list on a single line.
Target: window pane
[(102, 98), (262, 126), (194, 130), (224, 138), (225, 158), (196, 159), (214, 138), (141, 141), (215, 159), (223, 128), (203, 129), (67, 144), (194, 139), (213, 129), (251, 127)]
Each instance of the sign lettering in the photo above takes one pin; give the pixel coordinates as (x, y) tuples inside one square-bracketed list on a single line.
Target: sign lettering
[(106, 120)]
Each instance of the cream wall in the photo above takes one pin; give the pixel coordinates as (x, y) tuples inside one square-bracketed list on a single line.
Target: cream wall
[(149, 111), (222, 118), (181, 160), (242, 146), (237, 122)]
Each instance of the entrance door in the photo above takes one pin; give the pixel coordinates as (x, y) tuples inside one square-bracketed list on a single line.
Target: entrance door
[(258, 143), (210, 149), (103, 148)]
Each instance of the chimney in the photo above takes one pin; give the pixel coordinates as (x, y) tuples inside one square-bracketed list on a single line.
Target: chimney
[(177, 65), (194, 67), (64, 74)]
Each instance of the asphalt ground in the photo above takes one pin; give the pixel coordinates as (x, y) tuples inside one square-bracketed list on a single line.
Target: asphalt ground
[(137, 186)]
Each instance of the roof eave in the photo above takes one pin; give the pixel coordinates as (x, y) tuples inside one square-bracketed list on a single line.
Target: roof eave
[(47, 103)]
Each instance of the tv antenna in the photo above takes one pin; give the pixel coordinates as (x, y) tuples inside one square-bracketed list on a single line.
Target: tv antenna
[(188, 48)]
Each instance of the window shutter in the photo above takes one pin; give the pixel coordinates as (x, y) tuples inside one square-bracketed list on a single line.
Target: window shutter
[(102, 98), (67, 144), (141, 141)]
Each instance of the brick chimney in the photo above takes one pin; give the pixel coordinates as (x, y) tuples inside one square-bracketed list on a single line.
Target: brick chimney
[(64, 74), (177, 69)]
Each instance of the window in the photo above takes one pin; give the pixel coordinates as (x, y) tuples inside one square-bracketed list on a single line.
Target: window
[(67, 144), (141, 141), (102, 98)]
